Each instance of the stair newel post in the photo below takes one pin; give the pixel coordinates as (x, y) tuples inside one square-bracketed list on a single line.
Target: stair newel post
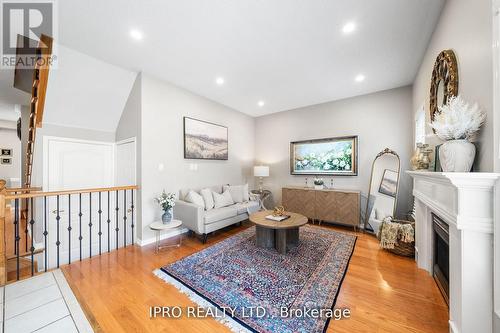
[(3, 213)]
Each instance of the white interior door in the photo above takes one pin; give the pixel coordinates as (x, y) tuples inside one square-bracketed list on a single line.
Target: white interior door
[(73, 164), (125, 174)]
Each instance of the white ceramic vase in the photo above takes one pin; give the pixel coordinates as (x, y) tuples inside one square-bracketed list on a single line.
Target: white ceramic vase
[(318, 187), (457, 156)]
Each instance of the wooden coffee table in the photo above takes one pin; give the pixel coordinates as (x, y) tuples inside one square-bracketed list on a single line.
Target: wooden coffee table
[(278, 235)]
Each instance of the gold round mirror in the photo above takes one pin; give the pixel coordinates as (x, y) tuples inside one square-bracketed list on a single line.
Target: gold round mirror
[(444, 81)]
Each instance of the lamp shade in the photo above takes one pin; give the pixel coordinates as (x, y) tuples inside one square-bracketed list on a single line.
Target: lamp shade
[(261, 171)]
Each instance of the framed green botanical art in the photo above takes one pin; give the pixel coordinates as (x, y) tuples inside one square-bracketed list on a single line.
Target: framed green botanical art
[(327, 157)]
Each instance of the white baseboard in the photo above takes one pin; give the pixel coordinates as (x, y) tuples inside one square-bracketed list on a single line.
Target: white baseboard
[(164, 235)]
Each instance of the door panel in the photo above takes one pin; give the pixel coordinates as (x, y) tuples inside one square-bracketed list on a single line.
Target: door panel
[(77, 165), (125, 170)]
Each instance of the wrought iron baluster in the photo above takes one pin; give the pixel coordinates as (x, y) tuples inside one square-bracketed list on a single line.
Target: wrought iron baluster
[(109, 224), (124, 218), (116, 218), (18, 238), (32, 248), (58, 218), (69, 228), (90, 225), (132, 216), (100, 220), (26, 224), (16, 233), (45, 233), (80, 223)]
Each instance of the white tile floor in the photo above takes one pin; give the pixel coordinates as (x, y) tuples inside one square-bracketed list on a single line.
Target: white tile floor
[(44, 303)]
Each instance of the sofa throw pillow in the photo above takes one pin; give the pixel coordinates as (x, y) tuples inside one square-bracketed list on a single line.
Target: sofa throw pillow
[(195, 198), (239, 193), (222, 200), (246, 194), (236, 192), (206, 193)]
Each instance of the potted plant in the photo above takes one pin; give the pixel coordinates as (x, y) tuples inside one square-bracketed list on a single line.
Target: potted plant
[(318, 183), (457, 123), (167, 203)]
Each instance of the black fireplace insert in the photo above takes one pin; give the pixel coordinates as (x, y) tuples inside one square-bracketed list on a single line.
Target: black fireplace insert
[(441, 268)]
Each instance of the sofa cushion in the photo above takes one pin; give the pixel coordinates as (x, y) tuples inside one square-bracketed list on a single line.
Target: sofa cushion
[(245, 207), (222, 200), (195, 198), (183, 192), (239, 193), (218, 214), (208, 198)]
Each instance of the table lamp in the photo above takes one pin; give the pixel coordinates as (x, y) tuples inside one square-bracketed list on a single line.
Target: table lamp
[(261, 171)]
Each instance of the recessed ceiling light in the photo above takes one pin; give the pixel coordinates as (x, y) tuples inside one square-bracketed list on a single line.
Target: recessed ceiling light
[(349, 27), (261, 103), (136, 34), (360, 78), (219, 81)]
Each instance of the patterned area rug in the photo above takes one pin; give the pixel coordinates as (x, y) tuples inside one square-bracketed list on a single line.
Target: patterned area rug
[(236, 274)]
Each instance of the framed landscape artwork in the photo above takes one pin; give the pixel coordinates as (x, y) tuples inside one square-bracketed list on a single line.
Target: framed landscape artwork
[(327, 157), (389, 183), (204, 140)]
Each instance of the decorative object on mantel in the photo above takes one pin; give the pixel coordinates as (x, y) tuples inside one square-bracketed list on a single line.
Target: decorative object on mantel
[(444, 81), (261, 171), (384, 202), (457, 123), (319, 184), (397, 236), (167, 203), (420, 159)]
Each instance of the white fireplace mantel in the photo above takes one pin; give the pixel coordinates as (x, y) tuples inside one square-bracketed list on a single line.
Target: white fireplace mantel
[(465, 201)]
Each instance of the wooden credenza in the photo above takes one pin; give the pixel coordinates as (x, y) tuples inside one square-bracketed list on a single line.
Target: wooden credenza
[(329, 205)]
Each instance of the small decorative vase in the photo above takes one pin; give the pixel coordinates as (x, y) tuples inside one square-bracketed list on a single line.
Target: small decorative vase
[(318, 187), (457, 156), (167, 216)]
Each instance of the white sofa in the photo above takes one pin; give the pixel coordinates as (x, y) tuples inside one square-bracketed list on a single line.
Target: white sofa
[(203, 222)]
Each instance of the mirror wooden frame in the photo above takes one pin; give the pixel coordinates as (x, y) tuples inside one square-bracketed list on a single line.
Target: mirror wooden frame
[(386, 151), (445, 72)]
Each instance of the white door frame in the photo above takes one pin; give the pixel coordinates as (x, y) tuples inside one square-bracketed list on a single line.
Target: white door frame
[(496, 158)]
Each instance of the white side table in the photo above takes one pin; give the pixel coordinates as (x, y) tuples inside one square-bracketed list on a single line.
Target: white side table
[(159, 226)]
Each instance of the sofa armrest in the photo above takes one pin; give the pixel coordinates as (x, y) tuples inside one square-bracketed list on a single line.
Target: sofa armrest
[(191, 216), (253, 197)]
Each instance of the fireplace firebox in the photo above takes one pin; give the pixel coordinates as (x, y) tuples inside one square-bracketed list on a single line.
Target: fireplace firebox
[(441, 267)]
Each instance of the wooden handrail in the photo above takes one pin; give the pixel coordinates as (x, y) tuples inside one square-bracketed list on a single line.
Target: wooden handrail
[(23, 189), (55, 193)]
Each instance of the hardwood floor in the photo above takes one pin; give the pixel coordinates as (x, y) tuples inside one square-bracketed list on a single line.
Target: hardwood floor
[(384, 292)]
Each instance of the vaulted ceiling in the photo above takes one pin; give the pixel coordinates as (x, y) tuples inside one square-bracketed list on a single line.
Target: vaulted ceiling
[(287, 53)]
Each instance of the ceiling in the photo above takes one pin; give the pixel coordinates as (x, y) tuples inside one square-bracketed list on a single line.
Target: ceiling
[(287, 53)]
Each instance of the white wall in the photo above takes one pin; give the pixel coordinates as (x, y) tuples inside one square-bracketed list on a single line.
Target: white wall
[(465, 26), (9, 140), (163, 109), (86, 92), (129, 126), (380, 120)]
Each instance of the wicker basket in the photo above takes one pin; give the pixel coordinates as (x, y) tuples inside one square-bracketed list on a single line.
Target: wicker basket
[(403, 248)]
